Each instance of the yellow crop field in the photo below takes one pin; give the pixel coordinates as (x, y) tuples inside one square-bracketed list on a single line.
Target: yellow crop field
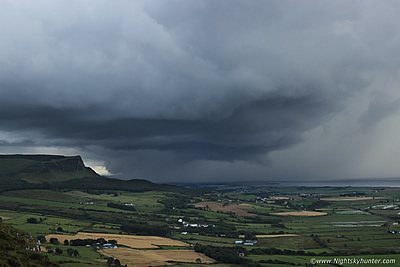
[(134, 257), (127, 240)]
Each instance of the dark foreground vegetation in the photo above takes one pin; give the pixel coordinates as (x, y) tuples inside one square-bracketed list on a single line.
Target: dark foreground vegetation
[(18, 248)]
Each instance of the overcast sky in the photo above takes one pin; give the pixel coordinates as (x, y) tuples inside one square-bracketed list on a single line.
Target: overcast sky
[(205, 90)]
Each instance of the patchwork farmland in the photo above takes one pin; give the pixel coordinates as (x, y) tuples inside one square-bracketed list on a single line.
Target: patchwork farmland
[(261, 226)]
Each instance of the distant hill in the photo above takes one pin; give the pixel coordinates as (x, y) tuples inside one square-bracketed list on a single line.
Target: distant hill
[(62, 172), (26, 171), (18, 248), (43, 168)]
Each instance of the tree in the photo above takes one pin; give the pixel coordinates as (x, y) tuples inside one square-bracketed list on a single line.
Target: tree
[(59, 229), (70, 252), (198, 260), (59, 251), (112, 242), (31, 220), (42, 239), (54, 241), (117, 262), (250, 236), (101, 240), (110, 261), (66, 242), (76, 253)]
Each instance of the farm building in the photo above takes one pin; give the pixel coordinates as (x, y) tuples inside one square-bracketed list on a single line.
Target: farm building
[(109, 246)]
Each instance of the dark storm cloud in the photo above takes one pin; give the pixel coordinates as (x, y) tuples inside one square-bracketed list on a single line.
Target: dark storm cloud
[(171, 88), (250, 130)]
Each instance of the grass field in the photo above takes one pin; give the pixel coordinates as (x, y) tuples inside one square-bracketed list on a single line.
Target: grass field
[(350, 198), (205, 240), (43, 195), (146, 201), (300, 213), (272, 236), (59, 204)]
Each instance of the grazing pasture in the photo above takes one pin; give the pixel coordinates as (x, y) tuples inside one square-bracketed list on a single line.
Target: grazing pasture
[(351, 198), (272, 236), (300, 213), (205, 240), (42, 195)]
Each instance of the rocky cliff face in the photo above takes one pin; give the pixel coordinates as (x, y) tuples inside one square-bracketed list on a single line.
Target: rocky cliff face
[(67, 164)]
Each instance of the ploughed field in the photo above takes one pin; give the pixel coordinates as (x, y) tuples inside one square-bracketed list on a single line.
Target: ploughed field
[(239, 210)]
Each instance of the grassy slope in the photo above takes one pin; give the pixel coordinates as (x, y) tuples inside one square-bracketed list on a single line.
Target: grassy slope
[(11, 167), (13, 252)]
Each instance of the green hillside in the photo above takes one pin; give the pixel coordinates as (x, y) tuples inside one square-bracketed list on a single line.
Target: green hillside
[(33, 171), (42, 168), (61, 172), (18, 248)]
